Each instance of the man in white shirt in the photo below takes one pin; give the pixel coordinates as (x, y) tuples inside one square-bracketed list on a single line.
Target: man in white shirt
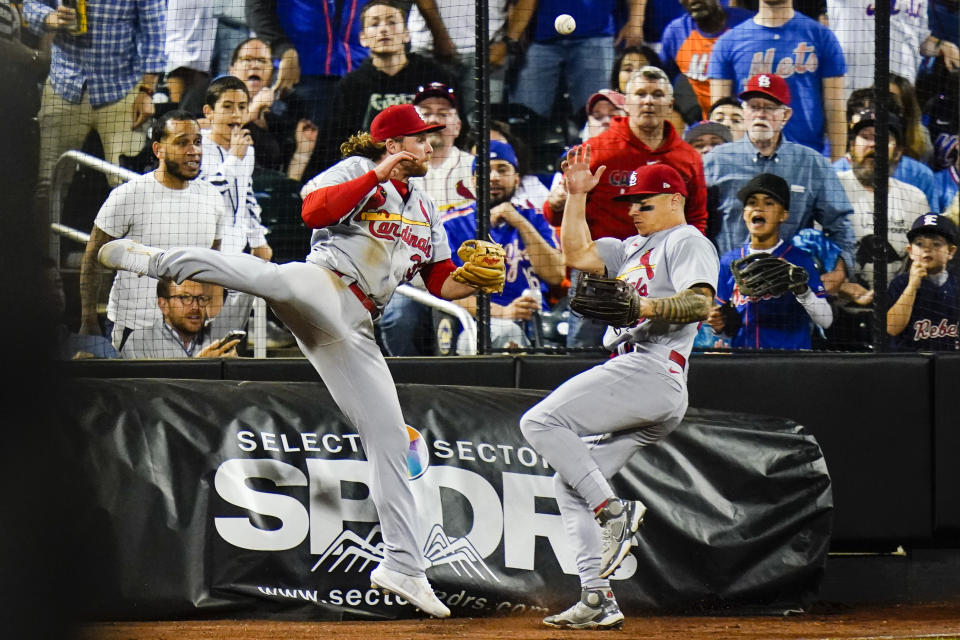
[(450, 169), (905, 203), (166, 207)]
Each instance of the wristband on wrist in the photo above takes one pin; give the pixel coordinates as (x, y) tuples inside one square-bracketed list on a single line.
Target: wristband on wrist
[(147, 90), (513, 46)]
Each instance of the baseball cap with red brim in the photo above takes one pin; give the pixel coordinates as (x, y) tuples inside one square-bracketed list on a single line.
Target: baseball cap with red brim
[(652, 180), (767, 85), (615, 98), (399, 120)]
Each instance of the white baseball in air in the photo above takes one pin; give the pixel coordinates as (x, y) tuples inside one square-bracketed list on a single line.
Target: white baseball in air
[(564, 24)]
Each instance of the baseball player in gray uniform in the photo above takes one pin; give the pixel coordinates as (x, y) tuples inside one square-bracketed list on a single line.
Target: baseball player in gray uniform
[(593, 423), (373, 231)]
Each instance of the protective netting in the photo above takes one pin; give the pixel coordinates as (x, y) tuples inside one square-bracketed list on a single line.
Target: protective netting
[(230, 111)]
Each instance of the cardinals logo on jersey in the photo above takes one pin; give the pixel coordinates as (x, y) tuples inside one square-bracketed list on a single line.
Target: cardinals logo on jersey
[(377, 200), (645, 264), (464, 191)]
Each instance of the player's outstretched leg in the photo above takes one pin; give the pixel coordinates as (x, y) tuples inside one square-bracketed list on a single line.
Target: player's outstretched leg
[(417, 591), (619, 520), (597, 609), (127, 255)]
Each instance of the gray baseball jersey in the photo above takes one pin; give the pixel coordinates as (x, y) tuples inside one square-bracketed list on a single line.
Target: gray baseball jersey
[(659, 266), (382, 242)]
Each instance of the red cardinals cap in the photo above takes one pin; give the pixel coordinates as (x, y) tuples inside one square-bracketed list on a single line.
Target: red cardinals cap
[(399, 120), (652, 180), (615, 98), (767, 85)]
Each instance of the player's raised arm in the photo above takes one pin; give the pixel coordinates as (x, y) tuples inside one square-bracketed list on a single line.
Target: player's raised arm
[(578, 248)]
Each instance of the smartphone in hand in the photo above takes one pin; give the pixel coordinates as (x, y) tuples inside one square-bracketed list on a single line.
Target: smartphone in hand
[(236, 334)]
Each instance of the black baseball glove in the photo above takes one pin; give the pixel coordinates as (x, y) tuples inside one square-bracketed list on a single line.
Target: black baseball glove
[(760, 274), (608, 300)]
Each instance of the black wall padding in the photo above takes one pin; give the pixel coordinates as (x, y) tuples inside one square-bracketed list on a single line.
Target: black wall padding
[(946, 409), (871, 414), (889, 425), (208, 502)]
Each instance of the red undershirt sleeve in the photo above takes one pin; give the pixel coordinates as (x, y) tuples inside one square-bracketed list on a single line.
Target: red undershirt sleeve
[(327, 205), (435, 274)]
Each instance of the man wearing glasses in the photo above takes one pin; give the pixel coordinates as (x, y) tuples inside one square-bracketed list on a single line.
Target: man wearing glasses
[(815, 191), (187, 309)]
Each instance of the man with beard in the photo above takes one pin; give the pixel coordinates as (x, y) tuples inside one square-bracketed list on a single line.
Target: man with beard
[(389, 76), (166, 207), (905, 203), (372, 231), (815, 192), (533, 260)]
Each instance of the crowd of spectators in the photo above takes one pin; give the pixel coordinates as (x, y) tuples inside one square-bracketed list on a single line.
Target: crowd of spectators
[(230, 107)]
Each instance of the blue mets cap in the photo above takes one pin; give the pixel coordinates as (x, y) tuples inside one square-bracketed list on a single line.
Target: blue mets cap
[(500, 151)]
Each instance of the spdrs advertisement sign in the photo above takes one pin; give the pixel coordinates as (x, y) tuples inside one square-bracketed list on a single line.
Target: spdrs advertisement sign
[(254, 497)]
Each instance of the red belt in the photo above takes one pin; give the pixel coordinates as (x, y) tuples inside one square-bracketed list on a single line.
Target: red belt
[(674, 356), (364, 299)]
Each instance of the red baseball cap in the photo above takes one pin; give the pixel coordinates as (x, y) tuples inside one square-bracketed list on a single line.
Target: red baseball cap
[(767, 85), (615, 98), (652, 180), (399, 120)]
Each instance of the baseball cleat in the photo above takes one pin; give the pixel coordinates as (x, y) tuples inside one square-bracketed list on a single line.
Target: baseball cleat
[(416, 591), (597, 609), (127, 255), (619, 520)]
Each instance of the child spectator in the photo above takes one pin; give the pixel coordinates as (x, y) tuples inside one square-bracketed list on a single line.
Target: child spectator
[(729, 112), (705, 135), (783, 322), (925, 312)]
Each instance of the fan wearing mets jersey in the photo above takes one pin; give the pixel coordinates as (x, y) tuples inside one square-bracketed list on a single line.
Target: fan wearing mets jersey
[(593, 423), (373, 231)]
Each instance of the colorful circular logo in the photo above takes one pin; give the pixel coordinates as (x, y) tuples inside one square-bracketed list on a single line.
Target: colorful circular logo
[(418, 455)]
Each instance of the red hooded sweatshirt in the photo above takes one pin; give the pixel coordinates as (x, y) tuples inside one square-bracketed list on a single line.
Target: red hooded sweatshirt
[(622, 152)]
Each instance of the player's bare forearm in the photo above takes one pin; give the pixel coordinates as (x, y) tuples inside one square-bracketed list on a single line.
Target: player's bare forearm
[(690, 305), (453, 290), (579, 251)]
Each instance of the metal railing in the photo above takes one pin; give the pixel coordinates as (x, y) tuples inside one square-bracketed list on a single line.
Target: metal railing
[(466, 320)]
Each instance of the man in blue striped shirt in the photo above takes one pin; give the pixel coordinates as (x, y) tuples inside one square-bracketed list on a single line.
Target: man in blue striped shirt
[(815, 192), (101, 78)]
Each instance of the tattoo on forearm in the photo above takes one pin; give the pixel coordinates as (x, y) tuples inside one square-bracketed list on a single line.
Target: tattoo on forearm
[(687, 306)]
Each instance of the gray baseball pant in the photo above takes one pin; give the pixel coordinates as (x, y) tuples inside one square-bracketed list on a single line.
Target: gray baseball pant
[(335, 332), (590, 426)]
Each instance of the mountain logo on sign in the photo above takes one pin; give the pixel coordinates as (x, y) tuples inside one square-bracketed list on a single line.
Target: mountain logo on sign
[(351, 552)]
